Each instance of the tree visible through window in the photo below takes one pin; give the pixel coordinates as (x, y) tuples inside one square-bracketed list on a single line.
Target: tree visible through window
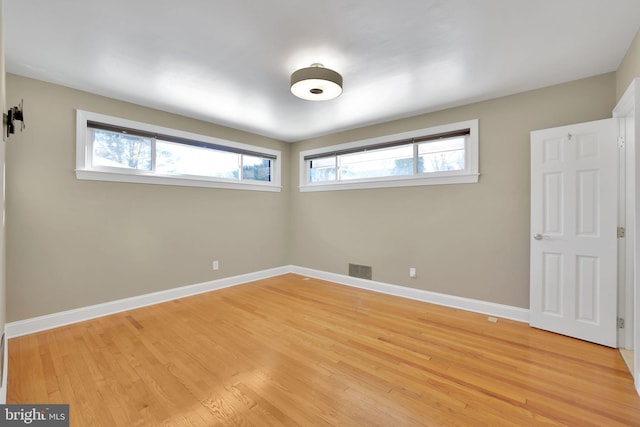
[(124, 150), (446, 154), (440, 155), (121, 150)]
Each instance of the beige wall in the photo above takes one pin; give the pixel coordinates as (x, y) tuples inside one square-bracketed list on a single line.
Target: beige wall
[(73, 243), (468, 240), (629, 68)]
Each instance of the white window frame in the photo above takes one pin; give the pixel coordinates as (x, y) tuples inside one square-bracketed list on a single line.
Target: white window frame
[(86, 171), (469, 175)]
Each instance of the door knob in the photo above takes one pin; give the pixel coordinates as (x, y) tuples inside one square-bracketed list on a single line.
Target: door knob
[(538, 236)]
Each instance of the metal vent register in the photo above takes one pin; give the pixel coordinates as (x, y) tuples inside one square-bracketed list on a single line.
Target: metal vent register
[(361, 271)]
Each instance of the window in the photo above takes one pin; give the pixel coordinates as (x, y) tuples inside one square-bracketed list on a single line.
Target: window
[(113, 149), (440, 155)]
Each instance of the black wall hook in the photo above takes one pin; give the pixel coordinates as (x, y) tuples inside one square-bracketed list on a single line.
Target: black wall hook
[(15, 113)]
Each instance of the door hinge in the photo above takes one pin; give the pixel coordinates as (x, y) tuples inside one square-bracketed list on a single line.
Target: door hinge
[(620, 323), (621, 232), (621, 142)]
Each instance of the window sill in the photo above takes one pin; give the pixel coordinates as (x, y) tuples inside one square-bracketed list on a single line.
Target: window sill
[(388, 183), (182, 181)]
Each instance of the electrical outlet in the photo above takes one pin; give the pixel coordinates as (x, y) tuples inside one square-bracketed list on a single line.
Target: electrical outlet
[(216, 265), (412, 272)]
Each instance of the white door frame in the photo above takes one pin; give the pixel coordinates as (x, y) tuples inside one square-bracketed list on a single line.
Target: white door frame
[(628, 111), (626, 213)]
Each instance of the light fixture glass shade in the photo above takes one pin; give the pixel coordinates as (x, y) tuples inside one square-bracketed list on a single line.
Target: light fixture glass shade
[(316, 83)]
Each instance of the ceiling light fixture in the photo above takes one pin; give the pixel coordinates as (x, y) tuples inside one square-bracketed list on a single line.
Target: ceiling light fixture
[(316, 83)]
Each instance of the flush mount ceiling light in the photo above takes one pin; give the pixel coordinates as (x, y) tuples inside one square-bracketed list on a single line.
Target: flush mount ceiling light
[(316, 83)]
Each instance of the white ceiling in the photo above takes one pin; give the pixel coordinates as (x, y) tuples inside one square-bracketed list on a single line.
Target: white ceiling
[(229, 62)]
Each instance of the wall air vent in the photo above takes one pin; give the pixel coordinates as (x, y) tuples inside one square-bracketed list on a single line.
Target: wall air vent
[(360, 271)]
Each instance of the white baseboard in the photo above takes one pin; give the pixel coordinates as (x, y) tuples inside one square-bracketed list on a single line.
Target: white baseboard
[(50, 321), (477, 306)]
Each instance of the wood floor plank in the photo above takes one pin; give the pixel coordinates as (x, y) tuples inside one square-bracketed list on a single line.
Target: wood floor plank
[(291, 351)]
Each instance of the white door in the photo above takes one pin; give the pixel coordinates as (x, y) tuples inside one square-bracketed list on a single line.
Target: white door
[(574, 200)]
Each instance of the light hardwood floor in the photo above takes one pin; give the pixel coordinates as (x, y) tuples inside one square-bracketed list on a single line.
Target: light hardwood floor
[(295, 351)]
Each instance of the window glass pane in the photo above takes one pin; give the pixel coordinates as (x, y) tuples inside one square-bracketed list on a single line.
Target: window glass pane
[(181, 159), (256, 168), (322, 170), (441, 155), (394, 161), (115, 149)]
